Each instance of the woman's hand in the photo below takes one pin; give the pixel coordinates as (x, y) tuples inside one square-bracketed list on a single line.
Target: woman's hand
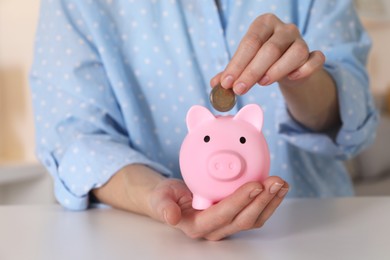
[(139, 189), (270, 51), (273, 51), (248, 207)]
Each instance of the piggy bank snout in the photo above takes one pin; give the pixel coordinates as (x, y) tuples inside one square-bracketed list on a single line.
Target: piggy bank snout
[(225, 165)]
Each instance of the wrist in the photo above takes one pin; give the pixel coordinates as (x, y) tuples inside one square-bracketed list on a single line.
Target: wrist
[(140, 181), (129, 189), (313, 101)]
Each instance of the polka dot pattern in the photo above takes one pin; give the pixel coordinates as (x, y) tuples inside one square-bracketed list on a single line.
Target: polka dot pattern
[(112, 82)]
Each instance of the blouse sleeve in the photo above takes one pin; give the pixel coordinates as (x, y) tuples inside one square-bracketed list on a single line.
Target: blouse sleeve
[(334, 28), (80, 133)]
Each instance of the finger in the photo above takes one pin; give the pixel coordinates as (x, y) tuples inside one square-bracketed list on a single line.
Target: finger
[(272, 206), (166, 208), (296, 55), (315, 62), (170, 213), (222, 213), (215, 80), (167, 201), (269, 54), (248, 217), (258, 33)]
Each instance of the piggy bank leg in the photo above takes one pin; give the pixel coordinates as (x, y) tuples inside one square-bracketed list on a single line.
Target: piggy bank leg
[(200, 203)]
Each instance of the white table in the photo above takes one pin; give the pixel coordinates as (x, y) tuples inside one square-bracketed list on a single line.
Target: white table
[(347, 228)]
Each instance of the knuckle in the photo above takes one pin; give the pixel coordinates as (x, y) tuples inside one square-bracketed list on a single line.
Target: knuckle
[(273, 48), (302, 49), (231, 69), (291, 29), (244, 224), (251, 74), (252, 41), (259, 224), (264, 201), (301, 52), (220, 220), (267, 18)]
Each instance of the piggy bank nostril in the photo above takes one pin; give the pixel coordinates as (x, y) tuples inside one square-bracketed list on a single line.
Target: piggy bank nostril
[(231, 166), (217, 166)]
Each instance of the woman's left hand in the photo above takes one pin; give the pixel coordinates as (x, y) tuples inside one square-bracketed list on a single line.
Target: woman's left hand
[(249, 207)]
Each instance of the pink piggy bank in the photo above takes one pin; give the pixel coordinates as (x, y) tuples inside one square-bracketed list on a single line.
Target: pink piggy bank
[(221, 153)]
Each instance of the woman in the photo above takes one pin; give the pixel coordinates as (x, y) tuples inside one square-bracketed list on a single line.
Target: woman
[(113, 80)]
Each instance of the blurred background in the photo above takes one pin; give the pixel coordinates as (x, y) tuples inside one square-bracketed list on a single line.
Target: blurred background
[(24, 181)]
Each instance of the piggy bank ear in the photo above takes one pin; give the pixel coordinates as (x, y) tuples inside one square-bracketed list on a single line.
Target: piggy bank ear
[(198, 115), (252, 114)]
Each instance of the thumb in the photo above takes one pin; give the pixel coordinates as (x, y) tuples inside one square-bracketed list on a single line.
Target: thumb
[(168, 210), (172, 213)]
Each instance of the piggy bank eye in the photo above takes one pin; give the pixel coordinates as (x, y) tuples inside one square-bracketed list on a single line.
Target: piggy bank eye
[(206, 139), (242, 140)]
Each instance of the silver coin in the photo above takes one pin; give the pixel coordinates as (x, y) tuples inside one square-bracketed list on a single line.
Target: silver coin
[(222, 99)]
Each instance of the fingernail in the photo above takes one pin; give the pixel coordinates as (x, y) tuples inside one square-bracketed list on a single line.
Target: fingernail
[(275, 187), (227, 81), (264, 80), (282, 192), (254, 193), (239, 88)]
